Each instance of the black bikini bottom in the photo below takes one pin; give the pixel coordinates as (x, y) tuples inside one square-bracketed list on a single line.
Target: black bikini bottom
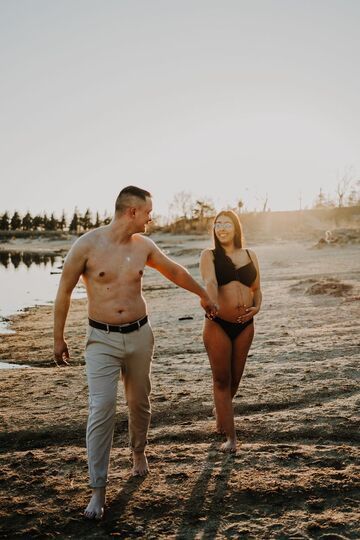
[(230, 328)]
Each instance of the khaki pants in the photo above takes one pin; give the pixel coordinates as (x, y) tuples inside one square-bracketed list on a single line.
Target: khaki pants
[(106, 355)]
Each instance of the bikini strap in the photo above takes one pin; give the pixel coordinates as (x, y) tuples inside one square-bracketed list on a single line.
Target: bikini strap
[(247, 251)]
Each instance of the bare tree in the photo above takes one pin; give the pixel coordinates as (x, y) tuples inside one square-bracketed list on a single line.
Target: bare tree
[(240, 205), (203, 209), (182, 205), (344, 182), (323, 201), (263, 202)]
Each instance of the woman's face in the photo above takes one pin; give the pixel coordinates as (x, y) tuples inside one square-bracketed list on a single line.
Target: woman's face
[(224, 230)]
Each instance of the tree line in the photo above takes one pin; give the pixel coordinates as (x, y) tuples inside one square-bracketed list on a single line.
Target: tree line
[(42, 222), (184, 211)]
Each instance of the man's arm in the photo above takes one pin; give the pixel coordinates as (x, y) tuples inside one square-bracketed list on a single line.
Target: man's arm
[(180, 276), (74, 266), (207, 271)]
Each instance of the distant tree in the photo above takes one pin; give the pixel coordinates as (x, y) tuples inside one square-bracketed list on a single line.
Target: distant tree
[(53, 223), (323, 201), (46, 222), (182, 205), (27, 222), (265, 203), (85, 220), (5, 222), (97, 221), (240, 205), (15, 222), (202, 210), (354, 196), (74, 223), (344, 181), (37, 222), (62, 222)]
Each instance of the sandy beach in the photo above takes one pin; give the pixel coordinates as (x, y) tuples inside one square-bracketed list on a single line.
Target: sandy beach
[(297, 472)]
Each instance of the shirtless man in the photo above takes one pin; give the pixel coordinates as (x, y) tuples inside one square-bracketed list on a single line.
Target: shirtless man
[(111, 261)]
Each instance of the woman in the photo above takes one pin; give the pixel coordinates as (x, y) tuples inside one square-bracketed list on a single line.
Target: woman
[(232, 279)]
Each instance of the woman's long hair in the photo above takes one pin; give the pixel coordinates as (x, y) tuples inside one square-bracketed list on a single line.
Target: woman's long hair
[(238, 238)]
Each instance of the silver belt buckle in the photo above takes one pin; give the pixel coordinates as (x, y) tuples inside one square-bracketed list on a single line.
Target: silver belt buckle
[(107, 328)]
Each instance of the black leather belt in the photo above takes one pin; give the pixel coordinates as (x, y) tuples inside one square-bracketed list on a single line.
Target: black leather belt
[(122, 328)]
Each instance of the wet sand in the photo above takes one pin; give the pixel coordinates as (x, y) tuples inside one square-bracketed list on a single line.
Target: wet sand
[(296, 474)]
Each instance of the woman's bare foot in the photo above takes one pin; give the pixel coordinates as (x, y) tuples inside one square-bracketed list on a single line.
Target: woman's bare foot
[(95, 508), (140, 465), (219, 429), (229, 446)]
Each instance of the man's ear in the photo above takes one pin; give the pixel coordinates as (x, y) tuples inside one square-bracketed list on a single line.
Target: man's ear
[(132, 211)]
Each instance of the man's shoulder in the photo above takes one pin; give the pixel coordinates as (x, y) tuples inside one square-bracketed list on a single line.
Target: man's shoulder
[(89, 239), (143, 242)]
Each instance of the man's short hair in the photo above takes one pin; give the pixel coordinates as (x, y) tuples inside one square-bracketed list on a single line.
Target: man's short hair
[(126, 198)]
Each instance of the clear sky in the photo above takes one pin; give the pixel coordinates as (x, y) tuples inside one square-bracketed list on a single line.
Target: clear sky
[(227, 99)]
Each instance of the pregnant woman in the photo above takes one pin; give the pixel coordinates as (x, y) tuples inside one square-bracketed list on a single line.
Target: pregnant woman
[(232, 279)]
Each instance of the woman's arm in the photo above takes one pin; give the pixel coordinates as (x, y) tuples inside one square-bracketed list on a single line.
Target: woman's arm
[(256, 287)]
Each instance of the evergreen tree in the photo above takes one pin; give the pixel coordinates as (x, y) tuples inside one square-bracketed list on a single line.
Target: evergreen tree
[(27, 222), (98, 221), (37, 222), (53, 222), (15, 222), (45, 222), (74, 224), (62, 222), (5, 222), (86, 220)]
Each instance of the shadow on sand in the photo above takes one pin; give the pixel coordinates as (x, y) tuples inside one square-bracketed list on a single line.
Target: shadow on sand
[(202, 512)]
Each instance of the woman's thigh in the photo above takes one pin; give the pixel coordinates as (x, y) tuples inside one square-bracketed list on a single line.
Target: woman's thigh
[(240, 349), (219, 349)]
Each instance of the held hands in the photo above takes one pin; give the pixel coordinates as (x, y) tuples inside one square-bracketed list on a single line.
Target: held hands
[(61, 353), (209, 306), (248, 314)]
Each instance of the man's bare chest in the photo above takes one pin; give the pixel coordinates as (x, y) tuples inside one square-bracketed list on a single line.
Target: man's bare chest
[(106, 266)]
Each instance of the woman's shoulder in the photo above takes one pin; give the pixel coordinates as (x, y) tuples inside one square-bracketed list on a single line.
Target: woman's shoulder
[(249, 251), (207, 253)]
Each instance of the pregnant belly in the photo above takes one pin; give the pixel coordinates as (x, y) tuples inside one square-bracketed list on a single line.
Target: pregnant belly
[(234, 298)]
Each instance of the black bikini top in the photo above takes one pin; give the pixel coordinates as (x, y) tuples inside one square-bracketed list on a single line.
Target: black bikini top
[(226, 271)]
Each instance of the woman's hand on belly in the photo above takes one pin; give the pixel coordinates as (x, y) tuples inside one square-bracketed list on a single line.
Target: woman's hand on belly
[(236, 302), (247, 315)]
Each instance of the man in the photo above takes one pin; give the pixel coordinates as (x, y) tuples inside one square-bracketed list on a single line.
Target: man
[(111, 261)]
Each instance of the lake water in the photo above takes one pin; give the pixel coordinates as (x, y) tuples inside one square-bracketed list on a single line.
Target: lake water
[(28, 279)]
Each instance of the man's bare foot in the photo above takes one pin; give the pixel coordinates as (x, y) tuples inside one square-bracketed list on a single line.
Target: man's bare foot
[(95, 508), (229, 446), (140, 465)]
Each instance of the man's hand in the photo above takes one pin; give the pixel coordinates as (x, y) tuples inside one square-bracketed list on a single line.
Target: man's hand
[(61, 353), (209, 306)]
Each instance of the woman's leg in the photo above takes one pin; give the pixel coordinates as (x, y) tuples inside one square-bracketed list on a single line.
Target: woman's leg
[(241, 346), (219, 349)]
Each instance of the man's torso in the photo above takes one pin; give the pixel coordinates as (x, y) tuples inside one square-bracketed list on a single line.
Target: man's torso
[(113, 278)]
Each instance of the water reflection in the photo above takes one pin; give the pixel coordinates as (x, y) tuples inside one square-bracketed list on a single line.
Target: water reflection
[(12, 259)]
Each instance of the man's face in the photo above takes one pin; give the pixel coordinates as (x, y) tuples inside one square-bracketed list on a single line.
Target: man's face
[(143, 214)]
